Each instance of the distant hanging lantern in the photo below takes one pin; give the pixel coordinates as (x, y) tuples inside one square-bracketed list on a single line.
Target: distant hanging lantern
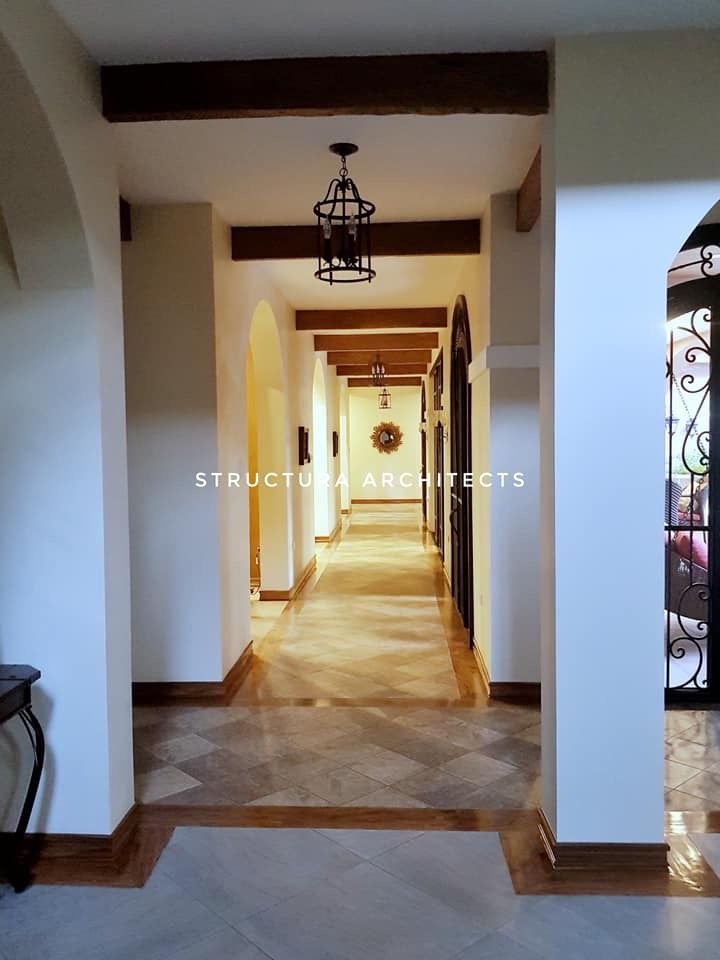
[(343, 220), (377, 372), (384, 399)]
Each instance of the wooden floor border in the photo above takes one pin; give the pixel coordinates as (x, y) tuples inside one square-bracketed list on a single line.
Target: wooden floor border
[(127, 857), (340, 818), (686, 874)]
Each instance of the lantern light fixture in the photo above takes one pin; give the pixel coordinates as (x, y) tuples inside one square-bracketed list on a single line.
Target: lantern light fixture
[(377, 372), (384, 399), (343, 227)]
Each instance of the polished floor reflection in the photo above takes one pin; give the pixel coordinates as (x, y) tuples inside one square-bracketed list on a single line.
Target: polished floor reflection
[(370, 627), (446, 758), (254, 894), (363, 694)]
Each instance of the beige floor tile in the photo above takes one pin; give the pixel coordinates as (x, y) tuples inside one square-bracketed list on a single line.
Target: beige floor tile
[(183, 748), (341, 786), (478, 768), (162, 782)]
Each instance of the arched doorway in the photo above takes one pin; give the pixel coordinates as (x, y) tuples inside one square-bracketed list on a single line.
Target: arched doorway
[(423, 450), (692, 481), (320, 455), (268, 446), (460, 464)]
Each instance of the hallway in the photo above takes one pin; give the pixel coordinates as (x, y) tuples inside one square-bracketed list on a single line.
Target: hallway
[(363, 694), (370, 628)]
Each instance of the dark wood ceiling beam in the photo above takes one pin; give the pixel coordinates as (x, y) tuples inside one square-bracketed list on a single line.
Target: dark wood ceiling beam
[(427, 84), (389, 382), (418, 317), (413, 238), (376, 341), (529, 198), (388, 356), (361, 369)]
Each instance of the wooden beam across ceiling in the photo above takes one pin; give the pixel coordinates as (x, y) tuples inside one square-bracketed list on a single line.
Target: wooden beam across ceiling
[(426, 84), (361, 369), (388, 356), (389, 382), (529, 198), (376, 342), (408, 238), (417, 317)]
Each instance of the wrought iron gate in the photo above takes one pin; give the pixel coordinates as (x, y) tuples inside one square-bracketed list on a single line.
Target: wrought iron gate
[(692, 487)]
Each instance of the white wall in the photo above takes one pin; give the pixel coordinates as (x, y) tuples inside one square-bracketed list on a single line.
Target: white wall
[(635, 167), (514, 654), (64, 578), (365, 459), (168, 287), (511, 524), (501, 287)]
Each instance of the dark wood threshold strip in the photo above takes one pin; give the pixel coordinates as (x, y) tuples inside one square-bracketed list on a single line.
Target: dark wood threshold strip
[(412, 703), (341, 818), (196, 693), (127, 857)]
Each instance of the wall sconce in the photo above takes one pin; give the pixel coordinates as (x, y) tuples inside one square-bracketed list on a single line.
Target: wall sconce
[(441, 420), (303, 446)]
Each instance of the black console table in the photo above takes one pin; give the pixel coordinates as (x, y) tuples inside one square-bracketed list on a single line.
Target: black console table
[(16, 681)]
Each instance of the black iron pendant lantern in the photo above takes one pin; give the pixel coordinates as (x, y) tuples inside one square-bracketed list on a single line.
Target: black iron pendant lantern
[(343, 226)]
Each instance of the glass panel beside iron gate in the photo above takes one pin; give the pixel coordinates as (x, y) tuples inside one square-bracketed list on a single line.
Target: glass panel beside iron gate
[(688, 526)]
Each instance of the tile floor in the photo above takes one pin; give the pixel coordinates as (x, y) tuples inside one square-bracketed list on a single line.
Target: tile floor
[(248, 894), (369, 629), (314, 756)]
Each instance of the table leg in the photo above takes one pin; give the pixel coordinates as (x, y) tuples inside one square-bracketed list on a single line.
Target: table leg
[(19, 874)]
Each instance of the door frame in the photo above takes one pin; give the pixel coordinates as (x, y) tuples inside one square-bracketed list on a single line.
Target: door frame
[(461, 571)]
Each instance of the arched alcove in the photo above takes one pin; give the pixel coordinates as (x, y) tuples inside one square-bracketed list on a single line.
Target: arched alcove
[(63, 472), (692, 481), (271, 431), (37, 198), (320, 455)]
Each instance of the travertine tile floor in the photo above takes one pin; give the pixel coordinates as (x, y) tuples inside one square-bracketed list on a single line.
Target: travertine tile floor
[(370, 630), (370, 626), (379, 756), (249, 894)]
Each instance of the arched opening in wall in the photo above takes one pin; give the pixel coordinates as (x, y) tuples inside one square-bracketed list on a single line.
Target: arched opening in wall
[(423, 450), (55, 518), (267, 436), (461, 569), (320, 472), (692, 480)]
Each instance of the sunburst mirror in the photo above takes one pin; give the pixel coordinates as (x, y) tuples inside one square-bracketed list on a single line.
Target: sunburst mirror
[(386, 437)]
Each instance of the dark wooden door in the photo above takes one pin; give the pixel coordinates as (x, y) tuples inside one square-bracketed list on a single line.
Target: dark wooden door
[(439, 488), (461, 466)]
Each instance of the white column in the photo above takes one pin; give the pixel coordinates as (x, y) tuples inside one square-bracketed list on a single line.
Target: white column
[(627, 174)]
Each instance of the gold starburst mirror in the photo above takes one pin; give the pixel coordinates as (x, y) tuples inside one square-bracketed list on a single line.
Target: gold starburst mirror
[(386, 437)]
